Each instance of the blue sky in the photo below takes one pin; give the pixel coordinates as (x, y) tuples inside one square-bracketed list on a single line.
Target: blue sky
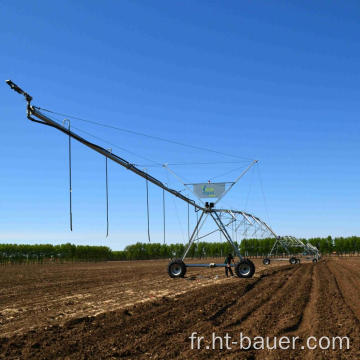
[(274, 81)]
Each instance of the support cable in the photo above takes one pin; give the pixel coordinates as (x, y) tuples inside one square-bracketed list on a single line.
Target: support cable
[(116, 146), (263, 194), (154, 163), (195, 163), (176, 210), (49, 122), (144, 135)]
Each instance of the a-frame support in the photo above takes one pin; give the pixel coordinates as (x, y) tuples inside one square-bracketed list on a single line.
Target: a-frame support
[(222, 228)]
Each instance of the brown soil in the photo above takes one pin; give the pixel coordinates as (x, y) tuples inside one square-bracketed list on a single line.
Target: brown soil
[(135, 311)]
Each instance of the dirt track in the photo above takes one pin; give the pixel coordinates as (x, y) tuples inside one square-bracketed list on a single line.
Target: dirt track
[(301, 300)]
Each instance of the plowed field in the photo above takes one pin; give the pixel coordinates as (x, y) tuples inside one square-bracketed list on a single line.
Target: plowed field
[(134, 310)]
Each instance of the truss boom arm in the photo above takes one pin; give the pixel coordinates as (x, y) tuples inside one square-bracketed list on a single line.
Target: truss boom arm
[(110, 155), (33, 111), (247, 216)]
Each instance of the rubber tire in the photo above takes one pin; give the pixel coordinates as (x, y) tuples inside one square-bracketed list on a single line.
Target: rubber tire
[(266, 261), (171, 267), (314, 261), (239, 265), (292, 260), (298, 261)]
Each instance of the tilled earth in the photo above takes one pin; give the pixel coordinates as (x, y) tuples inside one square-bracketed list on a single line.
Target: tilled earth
[(135, 311)]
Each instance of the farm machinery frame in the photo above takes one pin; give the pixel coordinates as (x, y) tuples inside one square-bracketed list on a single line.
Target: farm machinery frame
[(292, 246), (244, 268)]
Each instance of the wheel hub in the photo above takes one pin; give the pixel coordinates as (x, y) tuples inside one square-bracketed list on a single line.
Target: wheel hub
[(244, 269), (176, 269)]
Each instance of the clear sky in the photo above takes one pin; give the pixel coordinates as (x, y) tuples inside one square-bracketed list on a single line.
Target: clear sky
[(274, 81)]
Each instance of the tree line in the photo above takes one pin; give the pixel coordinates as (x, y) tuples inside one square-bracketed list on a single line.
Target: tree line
[(38, 253), (14, 253), (248, 247), (328, 245)]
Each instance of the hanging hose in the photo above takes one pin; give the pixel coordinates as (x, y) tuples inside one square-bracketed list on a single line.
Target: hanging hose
[(147, 208), (70, 182), (164, 212), (107, 196), (197, 221), (188, 220), (232, 230)]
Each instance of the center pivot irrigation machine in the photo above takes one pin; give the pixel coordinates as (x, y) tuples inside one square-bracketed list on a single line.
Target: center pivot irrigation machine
[(291, 245), (223, 218)]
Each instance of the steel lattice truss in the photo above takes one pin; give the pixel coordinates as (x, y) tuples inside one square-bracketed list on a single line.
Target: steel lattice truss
[(312, 250), (292, 245), (241, 225)]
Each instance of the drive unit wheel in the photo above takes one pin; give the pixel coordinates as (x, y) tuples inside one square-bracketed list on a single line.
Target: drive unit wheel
[(176, 268), (292, 261), (245, 269), (266, 261)]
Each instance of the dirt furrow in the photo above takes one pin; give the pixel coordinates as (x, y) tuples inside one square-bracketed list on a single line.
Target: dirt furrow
[(302, 300), (326, 315), (255, 298), (279, 310), (161, 328), (348, 280)]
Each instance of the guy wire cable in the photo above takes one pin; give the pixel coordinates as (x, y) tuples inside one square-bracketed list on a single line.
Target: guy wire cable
[(142, 134), (157, 164), (263, 193)]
